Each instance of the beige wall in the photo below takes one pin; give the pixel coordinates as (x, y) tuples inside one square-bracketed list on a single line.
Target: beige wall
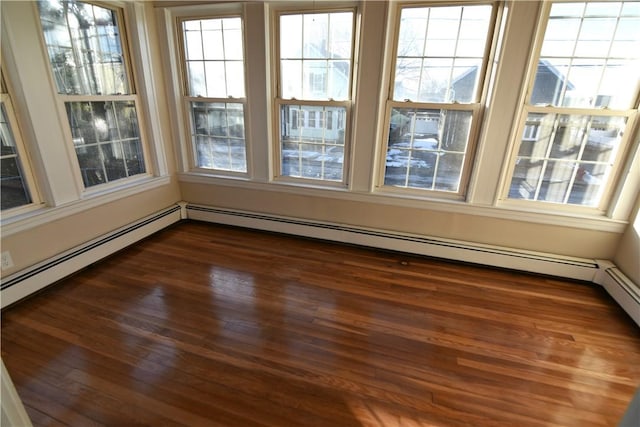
[(471, 221), (71, 217), (44, 241), (627, 256), (560, 240)]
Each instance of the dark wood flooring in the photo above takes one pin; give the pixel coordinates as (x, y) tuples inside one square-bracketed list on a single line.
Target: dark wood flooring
[(205, 325)]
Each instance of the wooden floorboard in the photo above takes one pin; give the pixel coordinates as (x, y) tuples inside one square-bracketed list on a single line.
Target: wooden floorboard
[(207, 325)]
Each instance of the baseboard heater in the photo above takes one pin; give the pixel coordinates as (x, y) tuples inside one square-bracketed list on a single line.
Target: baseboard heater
[(535, 262), (36, 277), (621, 288), (605, 273)]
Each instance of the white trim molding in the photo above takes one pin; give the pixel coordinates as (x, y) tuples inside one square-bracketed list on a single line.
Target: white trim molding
[(496, 256), (602, 272), (625, 292), (30, 280), (621, 288)]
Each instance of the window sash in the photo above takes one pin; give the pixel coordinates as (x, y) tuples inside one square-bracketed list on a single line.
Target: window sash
[(314, 152), (322, 169), (310, 78), (223, 149), (597, 108), (111, 149), (574, 161), (20, 154), (107, 140), (435, 182), (227, 58), (87, 49), (449, 59), (420, 149), (226, 155)]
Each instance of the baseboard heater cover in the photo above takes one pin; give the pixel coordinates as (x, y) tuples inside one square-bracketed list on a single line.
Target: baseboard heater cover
[(548, 264), (25, 282), (621, 288)]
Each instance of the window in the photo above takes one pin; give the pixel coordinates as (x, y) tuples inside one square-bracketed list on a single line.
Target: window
[(436, 88), (15, 190), (583, 98), (315, 73), (92, 76), (215, 92)]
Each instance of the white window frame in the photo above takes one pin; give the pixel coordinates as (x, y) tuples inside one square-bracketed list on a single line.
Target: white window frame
[(613, 198), (46, 125), (283, 8), (477, 108), (23, 157), (225, 11), (172, 18), (133, 77)]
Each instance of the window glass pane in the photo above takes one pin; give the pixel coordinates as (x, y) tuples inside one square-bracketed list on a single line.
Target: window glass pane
[(14, 189), (440, 52), (313, 139), (219, 136), (213, 51), (588, 49), (565, 158), (315, 55), (427, 148), (106, 140), (84, 46)]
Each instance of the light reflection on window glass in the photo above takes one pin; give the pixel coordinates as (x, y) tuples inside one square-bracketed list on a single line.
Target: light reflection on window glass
[(588, 50), (427, 148), (565, 158), (218, 134), (313, 140), (315, 55), (440, 53), (106, 140), (214, 56), (85, 52)]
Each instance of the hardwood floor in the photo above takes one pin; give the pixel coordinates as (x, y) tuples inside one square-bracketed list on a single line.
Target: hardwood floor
[(205, 325)]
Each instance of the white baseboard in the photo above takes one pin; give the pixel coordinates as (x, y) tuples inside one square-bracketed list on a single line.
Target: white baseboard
[(25, 282), (621, 288), (534, 262)]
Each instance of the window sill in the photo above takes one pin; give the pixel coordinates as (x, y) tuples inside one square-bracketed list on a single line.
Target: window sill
[(46, 214)]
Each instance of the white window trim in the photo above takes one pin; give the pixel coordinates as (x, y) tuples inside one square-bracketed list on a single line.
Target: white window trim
[(148, 86), (132, 23), (495, 135), (618, 198), (219, 11), (275, 10), (24, 159), (61, 194), (476, 111), (171, 19), (478, 108)]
